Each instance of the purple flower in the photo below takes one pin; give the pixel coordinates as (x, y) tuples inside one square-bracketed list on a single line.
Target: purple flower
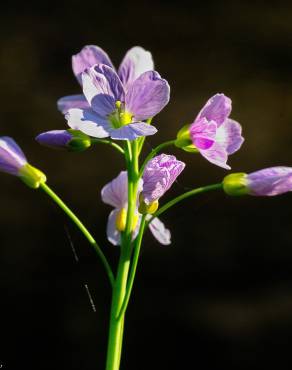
[(214, 134), (117, 112), (12, 158), (159, 174), (64, 139), (136, 62), (267, 182), (14, 162), (115, 194)]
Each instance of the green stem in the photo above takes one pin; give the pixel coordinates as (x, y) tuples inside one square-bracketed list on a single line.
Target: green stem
[(133, 170), (117, 325), (135, 151), (119, 291), (133, 268), (141, 140), (183, 196), (153, 153), (128, 153), (81, 227), (108, 142)]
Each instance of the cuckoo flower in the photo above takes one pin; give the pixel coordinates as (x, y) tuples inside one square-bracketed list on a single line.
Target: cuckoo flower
[(115, 112), (72, 140), (213, 133), (136, 61), (115, 194), (14, 162), (267, 182), (159, 174)]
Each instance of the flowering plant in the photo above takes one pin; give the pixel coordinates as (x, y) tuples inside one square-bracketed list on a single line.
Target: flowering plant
[(117, 109)]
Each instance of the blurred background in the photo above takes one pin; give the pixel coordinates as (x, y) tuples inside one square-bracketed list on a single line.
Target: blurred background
[(221, 295)]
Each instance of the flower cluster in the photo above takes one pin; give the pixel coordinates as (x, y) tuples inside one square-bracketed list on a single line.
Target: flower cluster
[(117, 108)]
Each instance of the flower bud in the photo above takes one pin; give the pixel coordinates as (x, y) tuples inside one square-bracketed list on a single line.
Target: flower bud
[(270, 181), (72, 140), (235, 184), (14, 162)]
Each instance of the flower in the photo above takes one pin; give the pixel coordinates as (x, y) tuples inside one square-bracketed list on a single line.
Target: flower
[(267, 182), (72, 140), (159, 174), (136, 61), (213, 133), (117, 112), (14, 162), (115, 194)]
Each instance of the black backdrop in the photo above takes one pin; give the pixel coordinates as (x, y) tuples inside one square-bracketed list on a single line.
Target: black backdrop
[(221, 295)]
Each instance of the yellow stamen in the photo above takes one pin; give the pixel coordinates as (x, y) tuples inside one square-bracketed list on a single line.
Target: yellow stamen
[(125, 118)]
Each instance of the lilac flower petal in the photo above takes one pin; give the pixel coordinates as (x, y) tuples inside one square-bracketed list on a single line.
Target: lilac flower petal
[(12, 158), (87, 57), (159, 174), (216, 155), (136, 61), (113, 235), (72, 101), (132, 131), (147, 95), (229, 136), (115, 193), (155, 184), (270, 181), (87, 121), (159, 231), (54, 138), (202, 133), (102, 88), (217, 109)]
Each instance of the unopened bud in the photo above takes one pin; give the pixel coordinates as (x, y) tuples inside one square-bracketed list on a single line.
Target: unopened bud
[(72, 140)]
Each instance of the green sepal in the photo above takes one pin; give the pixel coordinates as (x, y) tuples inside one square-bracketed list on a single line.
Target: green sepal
[(79, 141), (150, 208), (183, 140), (235, 184), (32, 176)]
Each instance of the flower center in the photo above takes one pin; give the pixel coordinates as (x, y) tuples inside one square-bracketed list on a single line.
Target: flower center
[(120, 117)]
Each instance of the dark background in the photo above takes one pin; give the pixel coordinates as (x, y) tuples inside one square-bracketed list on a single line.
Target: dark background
[(220, 296)]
